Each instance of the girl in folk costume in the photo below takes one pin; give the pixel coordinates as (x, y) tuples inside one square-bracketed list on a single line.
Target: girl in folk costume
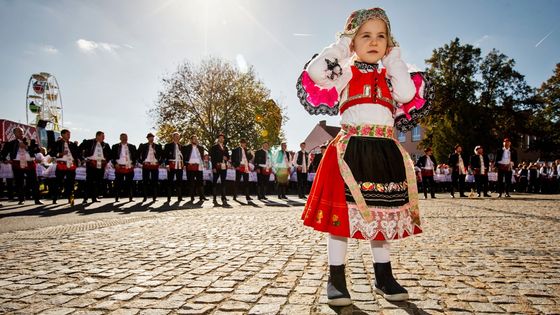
[(365, 186)]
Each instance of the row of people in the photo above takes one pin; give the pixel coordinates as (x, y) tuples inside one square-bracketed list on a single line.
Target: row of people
[(478, 164), (96, 154)]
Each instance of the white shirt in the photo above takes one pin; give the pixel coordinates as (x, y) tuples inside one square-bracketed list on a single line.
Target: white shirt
[(304, 164), (461, 166), (429, 164), (506, 157), (151, 157), (178, 156), (22, 154), (97, 153), (244, 158), (482, 167), (367, 114), (195, 157), (66, 157), (124, 158)]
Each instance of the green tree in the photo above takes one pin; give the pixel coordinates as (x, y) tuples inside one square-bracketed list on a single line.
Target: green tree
[(478, 100), (215, 98), (453, 68), (546, 121)]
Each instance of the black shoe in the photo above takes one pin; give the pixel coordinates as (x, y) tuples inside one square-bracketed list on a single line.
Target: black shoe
[(83, 202), (54, 202), (434, 197), (224, 199), (20, 202), (386, 285), (264, 197), (130, 199), (180, 199), (116, 200), (144, 199), (337, 293), (39, 202), (155, 199)]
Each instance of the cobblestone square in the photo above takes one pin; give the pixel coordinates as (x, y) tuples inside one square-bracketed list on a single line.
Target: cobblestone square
[(475, 256)]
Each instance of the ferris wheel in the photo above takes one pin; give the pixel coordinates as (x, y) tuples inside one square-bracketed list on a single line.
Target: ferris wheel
[(44, 101)]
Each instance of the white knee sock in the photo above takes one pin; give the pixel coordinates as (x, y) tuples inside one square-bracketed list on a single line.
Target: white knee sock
[(336, 250), (380, 251)]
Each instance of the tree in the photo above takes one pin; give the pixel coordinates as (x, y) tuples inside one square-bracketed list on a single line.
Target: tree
[(478, 100), (216, 98), (452, 70), (546, 121)]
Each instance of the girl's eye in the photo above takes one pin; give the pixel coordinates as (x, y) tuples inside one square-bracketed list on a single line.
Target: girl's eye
[(365, 36), (381, 36)]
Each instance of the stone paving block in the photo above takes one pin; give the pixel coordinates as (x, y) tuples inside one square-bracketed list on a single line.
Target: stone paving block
[(265, 309), (58, 311)]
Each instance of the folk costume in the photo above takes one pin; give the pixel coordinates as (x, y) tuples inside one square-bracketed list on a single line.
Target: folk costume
[(150, 155), (282, 172), (365, 186), (301, 162), (263, 166), (22, 157), (174, 157), (240, 158), (194, 154), (480, 165), (68, 156), (458, 163), (96, 154), (506, 158), (219, 155), (124, 156), (427, 164)]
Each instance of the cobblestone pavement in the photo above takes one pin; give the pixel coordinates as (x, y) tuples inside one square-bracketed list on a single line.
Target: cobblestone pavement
[(475, 256)]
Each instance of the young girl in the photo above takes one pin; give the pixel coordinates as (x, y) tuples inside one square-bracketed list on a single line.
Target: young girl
[(365, 186)]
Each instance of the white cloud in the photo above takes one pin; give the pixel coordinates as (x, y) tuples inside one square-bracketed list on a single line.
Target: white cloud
[(49, 49), (241, 63), (89, 46)]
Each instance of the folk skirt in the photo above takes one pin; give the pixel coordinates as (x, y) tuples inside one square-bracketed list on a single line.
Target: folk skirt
[(365, 187)]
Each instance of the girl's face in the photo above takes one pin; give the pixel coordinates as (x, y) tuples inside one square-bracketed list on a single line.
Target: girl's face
[(371, 41)]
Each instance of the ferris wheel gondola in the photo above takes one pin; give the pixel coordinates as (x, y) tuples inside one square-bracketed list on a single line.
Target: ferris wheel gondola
[(44, 100)]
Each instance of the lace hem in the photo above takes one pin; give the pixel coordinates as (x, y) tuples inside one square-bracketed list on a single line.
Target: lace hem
[(392, 223)]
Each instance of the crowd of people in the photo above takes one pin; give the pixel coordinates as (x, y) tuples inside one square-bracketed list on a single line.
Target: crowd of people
[(478, 172), (178, 162), (183, 166)]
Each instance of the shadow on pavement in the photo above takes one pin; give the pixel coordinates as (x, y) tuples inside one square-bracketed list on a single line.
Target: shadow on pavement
[(407, 307)]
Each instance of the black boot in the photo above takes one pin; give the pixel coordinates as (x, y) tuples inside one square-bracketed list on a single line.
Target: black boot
[(337, 293), (386, 285)]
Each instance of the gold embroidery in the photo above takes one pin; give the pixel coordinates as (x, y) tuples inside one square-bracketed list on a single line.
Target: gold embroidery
[(319, 216)]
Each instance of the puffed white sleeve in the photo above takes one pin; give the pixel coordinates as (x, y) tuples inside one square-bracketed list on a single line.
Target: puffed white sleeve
[(331, 68), (397, 72)]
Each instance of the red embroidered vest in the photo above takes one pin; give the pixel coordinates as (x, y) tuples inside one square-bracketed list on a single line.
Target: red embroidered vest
[(368, 87)]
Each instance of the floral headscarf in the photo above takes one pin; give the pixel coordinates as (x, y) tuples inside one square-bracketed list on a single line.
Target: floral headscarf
[(359, 17)]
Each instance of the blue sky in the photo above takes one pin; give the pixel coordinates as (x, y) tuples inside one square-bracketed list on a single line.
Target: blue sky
[(109, 55)]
